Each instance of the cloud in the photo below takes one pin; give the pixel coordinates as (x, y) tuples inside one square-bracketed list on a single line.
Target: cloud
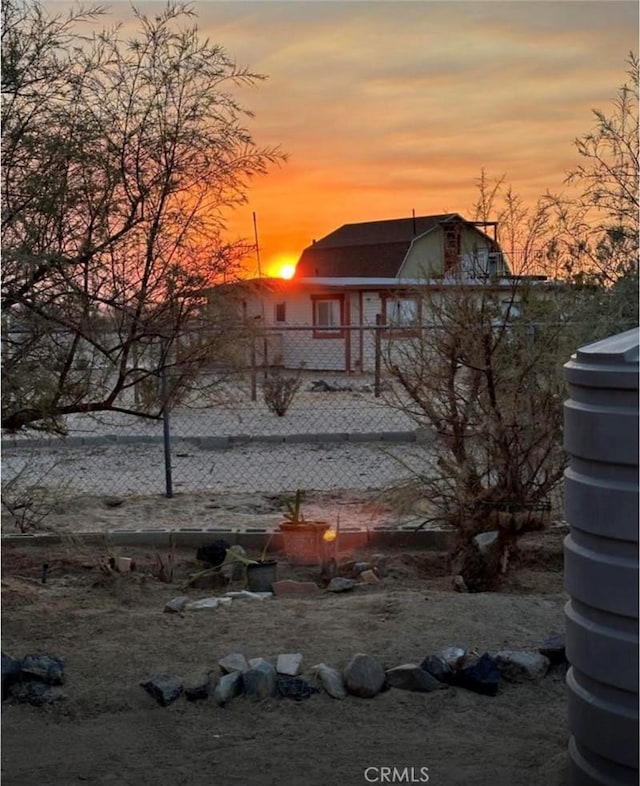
[(385, 106)]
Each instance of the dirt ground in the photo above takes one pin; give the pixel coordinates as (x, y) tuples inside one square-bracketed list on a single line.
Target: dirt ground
[(111, 633)]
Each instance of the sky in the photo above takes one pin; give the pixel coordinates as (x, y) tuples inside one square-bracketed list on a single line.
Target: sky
[(393, 106)]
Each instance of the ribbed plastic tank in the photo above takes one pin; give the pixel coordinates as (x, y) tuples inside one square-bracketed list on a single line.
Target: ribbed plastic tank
[(601, 561)]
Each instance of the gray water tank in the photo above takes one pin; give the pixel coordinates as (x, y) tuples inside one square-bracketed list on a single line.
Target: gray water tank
[(601, 561)]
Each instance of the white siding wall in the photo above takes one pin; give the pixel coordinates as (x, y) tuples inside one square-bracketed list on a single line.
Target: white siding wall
[(296, 345)]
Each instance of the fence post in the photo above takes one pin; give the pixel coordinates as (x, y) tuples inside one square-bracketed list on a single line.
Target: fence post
[(166, 432), (377, 387), (253, 372)]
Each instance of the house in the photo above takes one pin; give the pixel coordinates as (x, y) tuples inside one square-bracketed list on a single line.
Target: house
[(362, 277)]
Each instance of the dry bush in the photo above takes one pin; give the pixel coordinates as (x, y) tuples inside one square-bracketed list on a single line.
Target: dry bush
[(279, 390)]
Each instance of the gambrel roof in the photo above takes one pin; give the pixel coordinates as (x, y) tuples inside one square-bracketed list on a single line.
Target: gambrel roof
[(349, 250)]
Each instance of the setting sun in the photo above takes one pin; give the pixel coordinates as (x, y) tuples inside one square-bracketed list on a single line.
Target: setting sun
[(287, 271), (283, 266)]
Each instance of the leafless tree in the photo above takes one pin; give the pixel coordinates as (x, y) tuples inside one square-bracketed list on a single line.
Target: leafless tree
[(120, 156), (482, 374)]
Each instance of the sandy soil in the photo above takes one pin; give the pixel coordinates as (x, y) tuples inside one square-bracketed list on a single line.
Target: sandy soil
[(111, 633)]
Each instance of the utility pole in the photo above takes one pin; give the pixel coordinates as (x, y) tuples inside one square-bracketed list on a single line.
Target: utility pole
[(255, 234)]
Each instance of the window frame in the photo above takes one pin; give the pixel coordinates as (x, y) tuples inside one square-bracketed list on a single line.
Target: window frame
[(320, 331), (276, 312), (401, 330)]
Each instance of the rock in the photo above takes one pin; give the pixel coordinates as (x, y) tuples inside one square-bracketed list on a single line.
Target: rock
[(522, 666), (176, 605), (260, 681), (359, 567), (203, 604), (364, 676), (479, 562), (553, 647), (331, 680), (340, 584), (295, 688), (410, 676), (36, 693), (112, 502), (197, 686), (369, 576), (239, 594), (228, 687), (45, 668), (289, 664), (486, 542), (233, 662), (234, 570), (438, 668), (459, 585), (454, 657), (380, 562), (11, 670), (289, 587), (271, 660), (165, 688), (482, 676), (214, 553)]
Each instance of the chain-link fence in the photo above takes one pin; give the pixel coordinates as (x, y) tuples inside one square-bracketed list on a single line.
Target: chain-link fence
[(335, 434), (345, 430)]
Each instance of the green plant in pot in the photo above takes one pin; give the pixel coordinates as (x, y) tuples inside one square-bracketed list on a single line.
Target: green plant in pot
[(259, 574), (302, 538), (263, 572)]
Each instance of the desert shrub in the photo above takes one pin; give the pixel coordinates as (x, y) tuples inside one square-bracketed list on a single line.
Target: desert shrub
[(279, 390)]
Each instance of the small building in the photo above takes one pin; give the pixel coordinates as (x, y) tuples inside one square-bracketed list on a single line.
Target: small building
[(361, 280)]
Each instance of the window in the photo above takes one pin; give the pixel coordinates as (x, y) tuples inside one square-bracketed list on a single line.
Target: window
[(401, 312), (327, 316), (281, 312)]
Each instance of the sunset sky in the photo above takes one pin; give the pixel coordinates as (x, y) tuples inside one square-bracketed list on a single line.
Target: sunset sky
[(386, 107)]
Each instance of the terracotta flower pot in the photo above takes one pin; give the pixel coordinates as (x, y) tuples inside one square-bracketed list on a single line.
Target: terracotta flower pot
[(303, 541)]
